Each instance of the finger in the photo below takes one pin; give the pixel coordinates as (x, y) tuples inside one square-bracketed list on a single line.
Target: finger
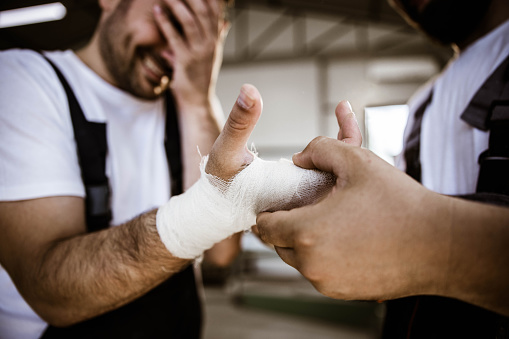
[(185, 18), (288, 256), (349, 131), (305, 159), (216, 9), (278, 228), (204, 16), (167, 28), (326, 154), (229, 153)]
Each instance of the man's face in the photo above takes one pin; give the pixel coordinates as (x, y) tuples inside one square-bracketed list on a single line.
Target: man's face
[(131, 46), (446, 21)]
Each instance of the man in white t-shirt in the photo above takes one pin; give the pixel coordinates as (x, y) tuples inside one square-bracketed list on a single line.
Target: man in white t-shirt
[(52, 271), (382, 236)]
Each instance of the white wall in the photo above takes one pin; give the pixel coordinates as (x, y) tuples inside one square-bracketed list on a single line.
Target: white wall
[(300, 96), (290, 98)]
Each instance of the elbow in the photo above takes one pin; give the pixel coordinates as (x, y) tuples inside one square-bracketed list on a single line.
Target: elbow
[(221, 259)]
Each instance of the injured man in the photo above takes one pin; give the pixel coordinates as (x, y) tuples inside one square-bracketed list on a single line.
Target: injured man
[(236, 185)]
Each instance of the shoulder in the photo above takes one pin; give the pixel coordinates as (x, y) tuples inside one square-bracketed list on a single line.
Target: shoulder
[(26, 74), (24, 65), (36, 136)]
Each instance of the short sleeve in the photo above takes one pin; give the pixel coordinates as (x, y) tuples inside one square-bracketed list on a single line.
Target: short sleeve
[(37, 149)]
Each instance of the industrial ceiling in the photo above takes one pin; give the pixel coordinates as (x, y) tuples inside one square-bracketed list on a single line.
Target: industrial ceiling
[(82, 15)]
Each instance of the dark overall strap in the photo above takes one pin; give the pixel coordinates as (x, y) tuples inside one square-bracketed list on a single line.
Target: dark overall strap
[(413, 143), (438, 317), (172, 146), (92, 149), (489, 110), (170, 310)]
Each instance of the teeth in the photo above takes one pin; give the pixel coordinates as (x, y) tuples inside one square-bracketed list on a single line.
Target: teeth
[(151, 64), (165, 81)]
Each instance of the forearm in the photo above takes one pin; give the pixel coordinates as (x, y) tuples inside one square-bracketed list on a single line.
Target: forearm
[(458, 249), (478, 269), (199, 128), (87, 275)]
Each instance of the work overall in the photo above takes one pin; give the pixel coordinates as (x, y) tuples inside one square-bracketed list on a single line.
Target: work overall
[(172, 309), (438, 317)]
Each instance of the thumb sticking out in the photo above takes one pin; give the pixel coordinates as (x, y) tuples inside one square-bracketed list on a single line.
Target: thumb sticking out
[(230, 155)]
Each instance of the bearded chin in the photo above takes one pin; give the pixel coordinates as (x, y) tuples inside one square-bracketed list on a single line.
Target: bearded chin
[(451, 21)]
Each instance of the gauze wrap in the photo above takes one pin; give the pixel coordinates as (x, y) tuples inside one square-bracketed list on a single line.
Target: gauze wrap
[(213, 209)]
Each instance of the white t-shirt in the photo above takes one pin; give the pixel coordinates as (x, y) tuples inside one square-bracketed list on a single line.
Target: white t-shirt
[(38, 152), (450, 147)]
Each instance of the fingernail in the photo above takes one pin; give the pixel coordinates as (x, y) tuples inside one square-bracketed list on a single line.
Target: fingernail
[(245, 100), (157, 9), (350, 106)]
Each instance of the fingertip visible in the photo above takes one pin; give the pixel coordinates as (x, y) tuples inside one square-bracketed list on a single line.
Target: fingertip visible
[(344, 109), (157, 9), (247, 96), (349, 106), (296, 156), (259, 219), (255, 230)]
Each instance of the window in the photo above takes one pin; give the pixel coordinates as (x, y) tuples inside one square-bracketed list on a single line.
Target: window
[(385, 126)]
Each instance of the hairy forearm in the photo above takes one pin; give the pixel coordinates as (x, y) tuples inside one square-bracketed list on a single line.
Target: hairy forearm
[(84, 276)]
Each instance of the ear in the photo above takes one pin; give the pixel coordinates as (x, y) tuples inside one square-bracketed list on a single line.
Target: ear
[(108, 5)]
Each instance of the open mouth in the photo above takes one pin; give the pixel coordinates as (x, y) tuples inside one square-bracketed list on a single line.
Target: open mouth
[(157, 74), (154, 70)]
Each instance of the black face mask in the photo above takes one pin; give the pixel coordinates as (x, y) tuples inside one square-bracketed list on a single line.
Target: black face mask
[(448, 21)]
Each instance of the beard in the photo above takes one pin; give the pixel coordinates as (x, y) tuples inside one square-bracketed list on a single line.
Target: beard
[(123, 62), (448, 21)]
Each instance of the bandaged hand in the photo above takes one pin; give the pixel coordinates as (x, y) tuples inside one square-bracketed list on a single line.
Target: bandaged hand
[(235, 186)]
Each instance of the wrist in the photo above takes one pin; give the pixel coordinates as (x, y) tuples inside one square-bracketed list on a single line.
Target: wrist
[(193, 99), (430, 248)]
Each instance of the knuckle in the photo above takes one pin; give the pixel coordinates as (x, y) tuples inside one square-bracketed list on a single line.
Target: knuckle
[(237, 124), (318, 140), (305, 240)]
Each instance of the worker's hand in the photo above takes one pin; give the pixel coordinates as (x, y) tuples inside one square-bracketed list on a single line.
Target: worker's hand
[(230, 154), (371, 238), (195, 34)]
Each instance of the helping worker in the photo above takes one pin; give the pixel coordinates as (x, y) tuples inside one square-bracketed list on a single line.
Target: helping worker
[(380, 235)]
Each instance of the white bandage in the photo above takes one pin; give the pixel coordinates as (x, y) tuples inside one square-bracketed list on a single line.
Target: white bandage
[(213, 209)]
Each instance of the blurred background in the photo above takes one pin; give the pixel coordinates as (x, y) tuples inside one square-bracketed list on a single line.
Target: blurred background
[(304, 57)]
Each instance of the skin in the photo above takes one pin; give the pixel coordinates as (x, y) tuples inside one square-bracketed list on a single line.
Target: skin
[(381, 235), (67, 275)]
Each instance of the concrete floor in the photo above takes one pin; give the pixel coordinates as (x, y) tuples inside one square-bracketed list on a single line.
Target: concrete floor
[(225, 320), (260, 297)]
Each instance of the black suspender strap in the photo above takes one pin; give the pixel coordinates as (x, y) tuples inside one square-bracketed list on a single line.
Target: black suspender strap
[(413, 143), (489, 110), (172, 145), (92, 149)]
